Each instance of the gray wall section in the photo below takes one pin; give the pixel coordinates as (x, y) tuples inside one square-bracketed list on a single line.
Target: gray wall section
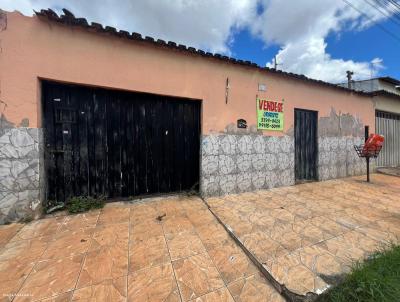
[(19, 173), (243, 163)]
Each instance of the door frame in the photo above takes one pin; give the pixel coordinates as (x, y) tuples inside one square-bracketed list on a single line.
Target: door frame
[(316, 178)]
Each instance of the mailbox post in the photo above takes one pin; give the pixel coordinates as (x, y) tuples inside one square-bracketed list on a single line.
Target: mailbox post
[(370, 149)]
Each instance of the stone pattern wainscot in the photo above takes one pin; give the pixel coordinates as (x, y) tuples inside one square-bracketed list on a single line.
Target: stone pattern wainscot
[(242, 163), (19, 174), (337, 157)]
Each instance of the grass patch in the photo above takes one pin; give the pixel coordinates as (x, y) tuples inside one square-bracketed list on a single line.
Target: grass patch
[(376, 279), (84, 203)]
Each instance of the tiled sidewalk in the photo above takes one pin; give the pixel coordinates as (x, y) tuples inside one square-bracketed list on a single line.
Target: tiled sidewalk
[(124, 253), (306, 236)]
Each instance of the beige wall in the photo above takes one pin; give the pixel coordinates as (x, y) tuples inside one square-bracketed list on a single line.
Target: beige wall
[(387, 103), (33, 49), (389, 87)]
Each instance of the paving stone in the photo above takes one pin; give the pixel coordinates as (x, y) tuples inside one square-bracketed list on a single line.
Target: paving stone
[(148, 252), (196, 276), (307, 236), (254, 288), (183, 245), (221, 295), (106, 262), (232, 262), (51, 277), (108, 290), (7, 232), (156, 284), (114, 215)]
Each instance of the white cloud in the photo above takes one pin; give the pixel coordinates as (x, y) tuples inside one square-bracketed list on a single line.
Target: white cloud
[(309, 57), (206, 24), (299, 27)]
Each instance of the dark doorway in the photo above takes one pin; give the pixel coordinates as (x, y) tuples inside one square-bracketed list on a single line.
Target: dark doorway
[(306, 144), (117, 143)]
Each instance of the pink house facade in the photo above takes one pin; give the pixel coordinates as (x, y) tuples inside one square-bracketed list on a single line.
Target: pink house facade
[(234, 154)]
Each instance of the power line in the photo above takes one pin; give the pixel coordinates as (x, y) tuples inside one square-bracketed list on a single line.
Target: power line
[(388, 7), (383, 12), (392, 6), (394, 3), (373, 21)]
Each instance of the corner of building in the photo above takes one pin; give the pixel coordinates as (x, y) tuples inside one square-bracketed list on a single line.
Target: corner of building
[(20, 193)]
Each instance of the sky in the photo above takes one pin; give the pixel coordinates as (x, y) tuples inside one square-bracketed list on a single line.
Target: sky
[(321, 39)]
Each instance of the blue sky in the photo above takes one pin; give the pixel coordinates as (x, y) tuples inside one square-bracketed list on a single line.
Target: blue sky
[(321, 39), (356, 45), (349, 45), (373, 41)]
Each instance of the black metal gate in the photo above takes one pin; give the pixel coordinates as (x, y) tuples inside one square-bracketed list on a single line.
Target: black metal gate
[(306, 144), (118, 144)]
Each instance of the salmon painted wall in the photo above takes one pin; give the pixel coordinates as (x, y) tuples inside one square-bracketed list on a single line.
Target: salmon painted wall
[(34, 49)]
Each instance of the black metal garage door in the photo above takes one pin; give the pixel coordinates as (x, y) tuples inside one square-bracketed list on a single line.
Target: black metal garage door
[(116, 143)]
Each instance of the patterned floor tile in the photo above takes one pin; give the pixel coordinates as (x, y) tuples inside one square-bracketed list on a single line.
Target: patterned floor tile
[(51, 277), (289, 270), (263, 246), (7, 232), (310, 232), (314, 228), (350, 247), (106, 262), (18, 250), (79, 221), (148, 252), (196, 276), (39, 228), (68, 243), (113, 215), (65, 297), (177, 224), (221, 295), (376, 233), (156, 284), (254, 288), (329, 226), (146, 229), (200, 217), (110, 235), (114, 290), (321, 262), (183, 245), (212, 235), (12, 275), (143, 211), (232, 262)]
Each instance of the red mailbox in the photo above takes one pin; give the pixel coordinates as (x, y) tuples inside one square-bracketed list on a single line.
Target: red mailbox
[(373, 145)]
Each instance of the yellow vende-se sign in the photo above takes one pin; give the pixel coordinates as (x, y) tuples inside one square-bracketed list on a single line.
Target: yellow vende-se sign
[(269, 115)]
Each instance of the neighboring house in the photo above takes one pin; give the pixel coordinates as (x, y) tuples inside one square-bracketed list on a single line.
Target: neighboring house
[(386, 98), (87, 109)]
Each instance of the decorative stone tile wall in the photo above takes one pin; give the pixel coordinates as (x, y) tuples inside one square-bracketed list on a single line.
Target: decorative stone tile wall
[(19, 173), (337, 157), (240, 163)]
